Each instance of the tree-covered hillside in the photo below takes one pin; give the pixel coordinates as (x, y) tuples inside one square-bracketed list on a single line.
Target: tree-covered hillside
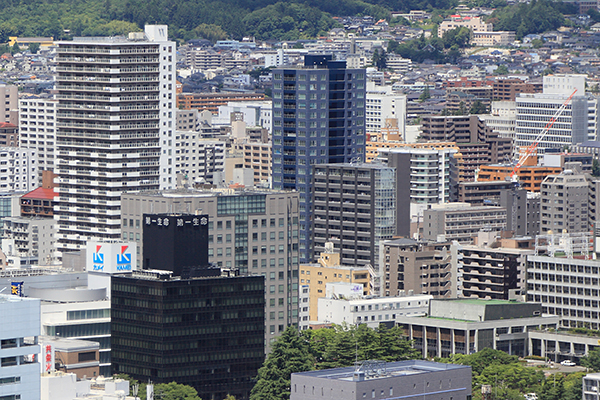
[(261, 18)]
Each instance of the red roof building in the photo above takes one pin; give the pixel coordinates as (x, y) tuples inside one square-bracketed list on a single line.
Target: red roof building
[(9, 134), (40, 202)]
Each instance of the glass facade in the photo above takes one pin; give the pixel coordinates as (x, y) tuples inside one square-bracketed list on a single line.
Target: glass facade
[(207, 333), (318, 118)]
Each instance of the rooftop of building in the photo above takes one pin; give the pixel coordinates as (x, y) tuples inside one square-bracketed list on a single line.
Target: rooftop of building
[(7, 125), (401, 242), (362, 165), (177, 193), (480, 301), (340, 267), (40, 193), (69, 345), (7, 298), (385, 300), (382, 370), (462, 207), (590, 143)]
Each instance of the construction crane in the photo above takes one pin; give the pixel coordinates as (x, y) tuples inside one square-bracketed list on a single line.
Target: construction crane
[(533, 146)]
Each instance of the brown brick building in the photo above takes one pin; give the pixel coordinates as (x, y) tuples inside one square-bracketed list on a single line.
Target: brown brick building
[(212, 101), (478, 144), (507, 89)]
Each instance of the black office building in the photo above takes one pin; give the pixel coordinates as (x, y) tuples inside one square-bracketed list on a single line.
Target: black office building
[(204, 332), (175, 243)]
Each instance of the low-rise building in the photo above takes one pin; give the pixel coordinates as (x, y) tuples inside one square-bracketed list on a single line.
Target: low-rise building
[(381, 380), (591, 385), (466, 326), (315, 277), (80, 357), (371, 312), (497, 38)]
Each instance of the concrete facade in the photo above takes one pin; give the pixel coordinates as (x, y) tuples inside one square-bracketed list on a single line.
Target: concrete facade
[(19, 368), (402, 379)]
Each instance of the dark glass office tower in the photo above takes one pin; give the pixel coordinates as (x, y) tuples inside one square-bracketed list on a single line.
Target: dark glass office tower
[(318, 118), (206, 332)]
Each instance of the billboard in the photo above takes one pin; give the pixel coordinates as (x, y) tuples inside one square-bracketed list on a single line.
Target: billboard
[(47, 358), (111, 258)]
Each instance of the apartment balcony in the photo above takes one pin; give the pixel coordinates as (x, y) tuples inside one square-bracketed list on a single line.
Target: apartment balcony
[(107, 117), (101, 79), (107, 89), (106, 60), (109, 50), (95, 70)]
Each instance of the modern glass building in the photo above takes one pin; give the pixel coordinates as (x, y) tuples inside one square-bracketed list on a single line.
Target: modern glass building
[(318, 118), (207, 333)]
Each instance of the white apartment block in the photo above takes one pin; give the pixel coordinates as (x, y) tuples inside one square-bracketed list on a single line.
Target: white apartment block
[(9, 104), (115, 129), (18, 169), (28, 237), (502, 118), (198, 160), (476, 24), (37, 129), (275, 58), (19, 331), (398, 64), (253, 113), (382, 104), (372, 311), (488, 38), (577, 124), (566, 287)]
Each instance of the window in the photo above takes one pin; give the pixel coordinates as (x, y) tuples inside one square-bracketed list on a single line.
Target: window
[(87, 356)]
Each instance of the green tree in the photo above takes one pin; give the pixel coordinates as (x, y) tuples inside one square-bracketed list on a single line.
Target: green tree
[(484, 358), (537, 43), (379, 59), (595, 173), (290, 353), (460, 37), (462, 109), (394, 347), (594, 14), (553, 388), (478, 108), (15, 48), (425, 95), (501, 70), (175, 391), (210, 32), (34, 48), (592, 360), (574, 386)]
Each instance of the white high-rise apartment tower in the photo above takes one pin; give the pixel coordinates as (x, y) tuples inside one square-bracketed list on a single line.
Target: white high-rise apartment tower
[(115, 129)]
